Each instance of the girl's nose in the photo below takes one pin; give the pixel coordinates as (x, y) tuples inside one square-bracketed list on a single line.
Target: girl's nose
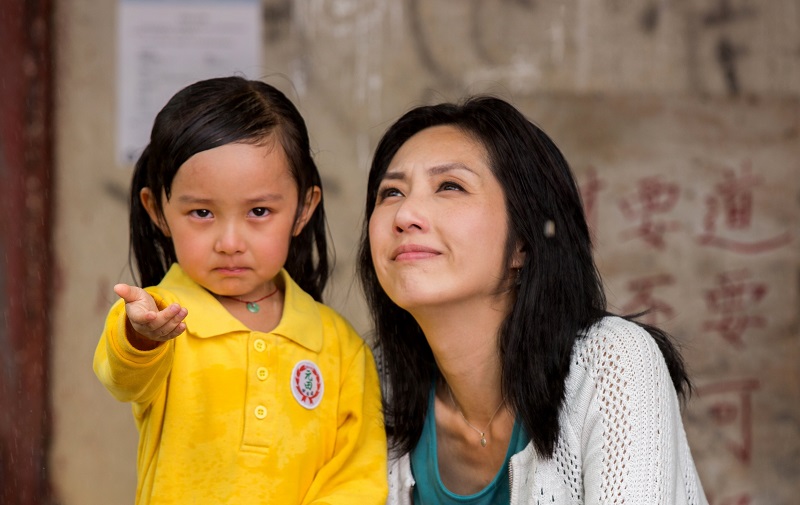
[(230, 240), (410, 216)]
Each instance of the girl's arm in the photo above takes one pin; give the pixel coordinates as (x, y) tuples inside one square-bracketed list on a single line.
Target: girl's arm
[(633, 443), (356, 474), (131, 359)]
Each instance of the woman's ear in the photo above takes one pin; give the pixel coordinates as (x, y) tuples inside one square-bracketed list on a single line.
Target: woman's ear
[(312, 199), (149, 201), (518, 257)]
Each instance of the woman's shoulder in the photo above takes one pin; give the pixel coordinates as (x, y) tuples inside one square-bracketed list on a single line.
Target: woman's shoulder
[(617, 368), (616, 343)]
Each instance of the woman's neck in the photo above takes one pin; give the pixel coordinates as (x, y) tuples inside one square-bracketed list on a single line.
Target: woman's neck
[(464, 342)]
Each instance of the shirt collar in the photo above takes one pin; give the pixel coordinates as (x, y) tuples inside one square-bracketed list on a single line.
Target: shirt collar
[(301, 321)]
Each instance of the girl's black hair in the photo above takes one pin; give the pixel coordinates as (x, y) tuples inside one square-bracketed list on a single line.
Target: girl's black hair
[(559, 293), (213, 113)]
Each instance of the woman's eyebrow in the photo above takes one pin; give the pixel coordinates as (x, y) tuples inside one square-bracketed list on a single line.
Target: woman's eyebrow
[(394, 176), (448, 167), (434, 170)]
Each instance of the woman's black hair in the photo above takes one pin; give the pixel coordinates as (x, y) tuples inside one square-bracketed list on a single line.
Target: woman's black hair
[(559, 293), (213, 113)]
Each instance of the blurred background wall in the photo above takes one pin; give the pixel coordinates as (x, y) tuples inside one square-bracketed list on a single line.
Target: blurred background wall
[(680, 118)]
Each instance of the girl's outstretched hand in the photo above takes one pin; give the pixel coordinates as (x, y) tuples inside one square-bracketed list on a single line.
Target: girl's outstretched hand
[(145, 318)]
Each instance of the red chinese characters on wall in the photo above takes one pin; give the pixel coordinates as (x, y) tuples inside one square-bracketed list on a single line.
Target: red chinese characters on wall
[(728, 405), (648, 207), (731, 302), (727, 217), (644, 301), (729, 213)]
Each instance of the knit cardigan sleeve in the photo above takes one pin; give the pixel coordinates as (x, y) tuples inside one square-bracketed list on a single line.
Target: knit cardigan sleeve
[(624, 414)]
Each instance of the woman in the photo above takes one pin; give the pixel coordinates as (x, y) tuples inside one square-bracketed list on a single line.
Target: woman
[(506, 379)]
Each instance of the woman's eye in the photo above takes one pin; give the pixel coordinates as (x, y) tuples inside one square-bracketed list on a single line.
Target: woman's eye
[(450, 186), (201, 213), (385, 193), (260, 211)]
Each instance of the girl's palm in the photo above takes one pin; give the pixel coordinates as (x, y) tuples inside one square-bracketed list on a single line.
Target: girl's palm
[(146, 319)]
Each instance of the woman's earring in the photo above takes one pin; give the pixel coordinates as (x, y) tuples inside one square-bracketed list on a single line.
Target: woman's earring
[(549, 228)]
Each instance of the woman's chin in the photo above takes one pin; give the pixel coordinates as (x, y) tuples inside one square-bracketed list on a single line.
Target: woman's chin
[(419, 302)]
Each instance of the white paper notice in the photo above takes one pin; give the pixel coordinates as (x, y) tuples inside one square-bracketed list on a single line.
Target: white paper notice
[(165, 45)]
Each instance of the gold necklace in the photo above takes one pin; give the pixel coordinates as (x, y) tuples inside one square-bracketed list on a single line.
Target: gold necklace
[(479, 432)]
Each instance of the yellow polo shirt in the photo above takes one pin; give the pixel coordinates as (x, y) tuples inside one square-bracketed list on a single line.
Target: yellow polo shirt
[(227, 415)]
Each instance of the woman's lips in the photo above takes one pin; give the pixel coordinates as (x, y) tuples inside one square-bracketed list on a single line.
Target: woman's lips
[(413, 252)]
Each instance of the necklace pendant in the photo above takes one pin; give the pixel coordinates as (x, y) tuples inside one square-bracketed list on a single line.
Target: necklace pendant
[(253, 307), (483, 440)]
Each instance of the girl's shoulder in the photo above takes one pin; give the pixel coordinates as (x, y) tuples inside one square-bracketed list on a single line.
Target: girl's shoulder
[(336, 326), (185, 295), (178, 287), (332, 319)]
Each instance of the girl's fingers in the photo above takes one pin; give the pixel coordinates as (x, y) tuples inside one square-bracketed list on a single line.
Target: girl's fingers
[(122, 291), (129, 293), (168, 323), (159, 326), (177, 331), (141, 317)]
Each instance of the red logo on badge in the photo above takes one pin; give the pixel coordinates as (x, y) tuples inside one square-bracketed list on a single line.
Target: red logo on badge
[(307, 385)]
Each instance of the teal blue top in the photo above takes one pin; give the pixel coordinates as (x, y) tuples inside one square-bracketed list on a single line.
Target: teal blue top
[(429, 488)]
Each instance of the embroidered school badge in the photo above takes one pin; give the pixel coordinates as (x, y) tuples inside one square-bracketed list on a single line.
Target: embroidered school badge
[(307, 386)]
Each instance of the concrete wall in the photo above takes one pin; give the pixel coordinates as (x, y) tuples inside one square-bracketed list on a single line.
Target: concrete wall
[(682, 122)]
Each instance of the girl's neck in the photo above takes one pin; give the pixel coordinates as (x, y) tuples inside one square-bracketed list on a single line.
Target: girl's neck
[(266, 319)]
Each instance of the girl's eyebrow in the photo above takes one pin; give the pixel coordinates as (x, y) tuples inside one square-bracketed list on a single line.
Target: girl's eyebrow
[(193, 199), (269, 197), (434, 170)]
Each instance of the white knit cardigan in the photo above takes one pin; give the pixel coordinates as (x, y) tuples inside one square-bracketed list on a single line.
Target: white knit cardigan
[(621, 440)]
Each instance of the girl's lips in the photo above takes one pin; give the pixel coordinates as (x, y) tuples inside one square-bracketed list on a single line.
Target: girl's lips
[(231, 270), (413, 252)]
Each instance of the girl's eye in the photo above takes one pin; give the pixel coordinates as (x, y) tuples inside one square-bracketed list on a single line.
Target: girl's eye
[(450, 186), (260, 211), (201, 213)]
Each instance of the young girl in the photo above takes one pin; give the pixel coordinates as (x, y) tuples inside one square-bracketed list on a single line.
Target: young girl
[(245, 389)]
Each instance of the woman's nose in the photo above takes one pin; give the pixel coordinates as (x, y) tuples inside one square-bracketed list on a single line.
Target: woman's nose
[(230, 239), (411, 216)]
